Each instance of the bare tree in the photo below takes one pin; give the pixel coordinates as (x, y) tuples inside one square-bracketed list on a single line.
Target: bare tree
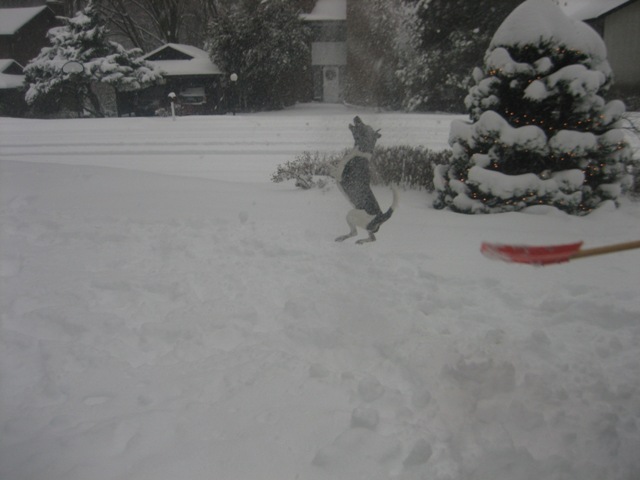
[(149, 23), (127, 23), (166, 15)]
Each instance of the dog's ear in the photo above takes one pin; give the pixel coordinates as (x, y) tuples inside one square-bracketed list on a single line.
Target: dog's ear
[(378, 134), (357, 120)]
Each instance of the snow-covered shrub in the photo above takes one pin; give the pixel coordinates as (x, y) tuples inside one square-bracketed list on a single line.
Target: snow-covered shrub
[(84, 39), (409, 167), (307, 170), (540, 130)]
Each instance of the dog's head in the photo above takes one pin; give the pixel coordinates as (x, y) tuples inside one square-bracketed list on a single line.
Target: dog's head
[(364, 136)]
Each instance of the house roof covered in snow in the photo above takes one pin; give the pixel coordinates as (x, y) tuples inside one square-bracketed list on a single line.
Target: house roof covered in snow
[(590, 9), (176, 59), (326, 10), (10, 74), (13, 19)]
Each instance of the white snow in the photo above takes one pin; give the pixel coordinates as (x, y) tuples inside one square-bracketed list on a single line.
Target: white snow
[(536, 20), (573, 142), (327, 10), (577, 80), (199, 64), (13, 19), (492, 125), (10, 80), (589, 9), (499, 59), (168, 312)]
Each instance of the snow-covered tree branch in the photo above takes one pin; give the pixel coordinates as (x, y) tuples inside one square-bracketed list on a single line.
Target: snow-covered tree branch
[(150, 23), (83, 39)]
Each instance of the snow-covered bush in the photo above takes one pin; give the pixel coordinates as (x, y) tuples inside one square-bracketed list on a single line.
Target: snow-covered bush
[(409, 167), (83, 39), (308, 170), (540, 130)]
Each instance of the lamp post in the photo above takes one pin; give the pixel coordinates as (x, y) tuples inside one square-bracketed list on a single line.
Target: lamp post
[(234, 89), (73, 68), (172, 99)]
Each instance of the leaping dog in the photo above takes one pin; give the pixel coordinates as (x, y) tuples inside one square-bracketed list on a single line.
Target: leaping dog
[(353, 178)]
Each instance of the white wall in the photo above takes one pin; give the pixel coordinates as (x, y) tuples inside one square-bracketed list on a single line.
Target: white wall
[(622, 37), (329, 53)]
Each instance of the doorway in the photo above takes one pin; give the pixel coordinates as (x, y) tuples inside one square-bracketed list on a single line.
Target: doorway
[(331, 84)]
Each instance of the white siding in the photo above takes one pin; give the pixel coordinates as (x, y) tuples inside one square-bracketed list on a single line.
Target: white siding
[(622, 37), (329, 53)]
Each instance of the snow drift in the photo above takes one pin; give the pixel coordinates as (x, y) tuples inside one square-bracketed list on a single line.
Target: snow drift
[(167, 312)]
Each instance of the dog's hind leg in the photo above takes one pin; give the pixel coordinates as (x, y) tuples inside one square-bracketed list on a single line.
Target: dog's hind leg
[(342, 238), (352, 221), (352, 233), (372, 238), (358, 218)]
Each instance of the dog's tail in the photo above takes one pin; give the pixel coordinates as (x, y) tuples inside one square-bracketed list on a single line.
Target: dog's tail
[(375, 224)]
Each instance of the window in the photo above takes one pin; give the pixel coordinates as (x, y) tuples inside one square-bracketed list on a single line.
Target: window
[(193, 96)]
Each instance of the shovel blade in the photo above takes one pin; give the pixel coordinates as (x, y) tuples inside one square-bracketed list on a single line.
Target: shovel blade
[(533, 255)]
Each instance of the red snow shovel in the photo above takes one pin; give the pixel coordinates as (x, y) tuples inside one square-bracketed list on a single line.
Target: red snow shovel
[(546, 255)]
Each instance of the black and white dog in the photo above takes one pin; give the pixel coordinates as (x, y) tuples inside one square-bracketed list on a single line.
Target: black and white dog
[(353, 177)]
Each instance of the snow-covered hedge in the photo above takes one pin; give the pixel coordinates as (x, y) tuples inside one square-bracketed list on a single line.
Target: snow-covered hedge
[(409, 167)]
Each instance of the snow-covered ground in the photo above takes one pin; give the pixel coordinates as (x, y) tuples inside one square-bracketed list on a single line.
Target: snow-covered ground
[(167, 312)]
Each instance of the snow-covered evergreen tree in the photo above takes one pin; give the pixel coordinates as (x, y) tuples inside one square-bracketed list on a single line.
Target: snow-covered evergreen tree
[(83, 39), (540, 131)]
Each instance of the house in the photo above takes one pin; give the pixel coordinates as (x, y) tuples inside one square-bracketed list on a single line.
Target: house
[(11, 88), (189, 73), (23, 32), (345, 63), (328, 22), (618, 22)]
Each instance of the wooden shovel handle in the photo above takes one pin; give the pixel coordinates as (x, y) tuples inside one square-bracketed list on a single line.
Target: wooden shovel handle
[(618, 247)]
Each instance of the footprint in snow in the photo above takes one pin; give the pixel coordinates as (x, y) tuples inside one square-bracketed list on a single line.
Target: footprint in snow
[(370, 389)]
